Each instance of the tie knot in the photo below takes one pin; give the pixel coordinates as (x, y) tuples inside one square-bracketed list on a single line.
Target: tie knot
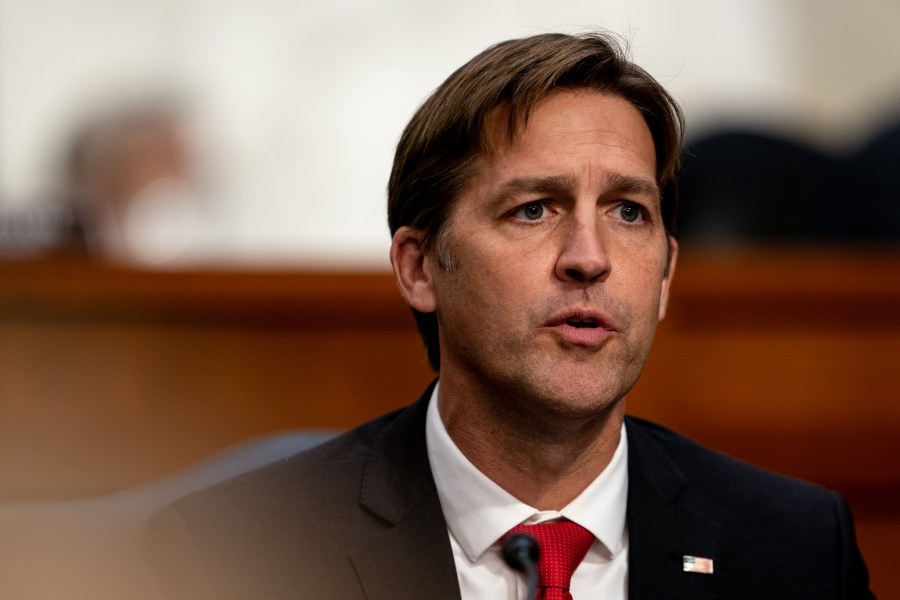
[(563, 545)]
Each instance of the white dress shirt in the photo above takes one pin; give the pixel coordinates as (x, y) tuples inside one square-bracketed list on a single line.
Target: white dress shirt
[(479, 512)]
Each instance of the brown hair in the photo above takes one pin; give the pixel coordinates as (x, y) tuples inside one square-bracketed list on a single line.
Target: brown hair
[(439, 148)]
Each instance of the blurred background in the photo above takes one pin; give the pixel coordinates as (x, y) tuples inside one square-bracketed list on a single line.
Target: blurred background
[(288, 112), (194, 249)]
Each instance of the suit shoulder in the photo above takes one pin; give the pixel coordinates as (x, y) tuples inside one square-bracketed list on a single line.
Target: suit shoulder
[(323, 478), (729, 481), (765, 522), (289, 524)]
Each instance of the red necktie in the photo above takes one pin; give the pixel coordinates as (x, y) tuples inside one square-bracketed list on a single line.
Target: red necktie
[(563, 545)]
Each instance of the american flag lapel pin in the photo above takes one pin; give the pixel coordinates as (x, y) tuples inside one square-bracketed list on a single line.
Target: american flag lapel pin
[(697, 564)]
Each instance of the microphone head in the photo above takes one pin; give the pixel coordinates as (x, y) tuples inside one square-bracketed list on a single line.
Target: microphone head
[(520, 551)]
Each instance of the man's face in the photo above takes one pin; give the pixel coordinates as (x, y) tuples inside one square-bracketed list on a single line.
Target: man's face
[(560, 258)]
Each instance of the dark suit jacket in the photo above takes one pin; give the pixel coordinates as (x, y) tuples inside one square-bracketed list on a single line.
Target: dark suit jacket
[(359, 517)]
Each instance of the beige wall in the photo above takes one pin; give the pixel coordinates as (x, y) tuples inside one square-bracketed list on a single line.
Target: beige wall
[(297, 105)]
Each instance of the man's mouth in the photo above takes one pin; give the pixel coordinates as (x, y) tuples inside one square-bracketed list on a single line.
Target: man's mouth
[(581, 327), (581, 319), (582, 323)]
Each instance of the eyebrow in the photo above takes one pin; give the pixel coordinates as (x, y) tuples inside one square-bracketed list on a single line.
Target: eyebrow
[(533, 185), (617, 182), (626, 184)]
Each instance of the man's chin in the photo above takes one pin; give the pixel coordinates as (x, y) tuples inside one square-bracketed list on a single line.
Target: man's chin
[(586, 407), (569, 399)]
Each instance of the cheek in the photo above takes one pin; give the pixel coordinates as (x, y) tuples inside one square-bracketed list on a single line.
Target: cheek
[(637, 290), (641, 265), (474, 289), (649, 259), (488, 290)]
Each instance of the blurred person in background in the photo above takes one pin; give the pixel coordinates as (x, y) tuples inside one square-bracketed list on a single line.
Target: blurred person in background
[(130, 182), (128, 191)]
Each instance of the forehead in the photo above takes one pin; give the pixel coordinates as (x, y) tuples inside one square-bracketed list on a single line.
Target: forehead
[(581, 134), (569, 112)]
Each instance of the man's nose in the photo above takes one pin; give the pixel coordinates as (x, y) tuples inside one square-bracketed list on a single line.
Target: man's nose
[(583, 256)]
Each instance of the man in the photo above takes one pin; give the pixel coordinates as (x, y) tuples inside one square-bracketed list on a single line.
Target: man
[(532, 207)]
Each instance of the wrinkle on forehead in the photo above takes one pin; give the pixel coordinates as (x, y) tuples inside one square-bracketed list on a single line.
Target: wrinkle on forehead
[(503, 128), (498, 139)]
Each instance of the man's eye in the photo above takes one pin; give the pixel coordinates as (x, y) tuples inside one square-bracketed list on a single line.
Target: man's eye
[(630, 212), (532, 211)]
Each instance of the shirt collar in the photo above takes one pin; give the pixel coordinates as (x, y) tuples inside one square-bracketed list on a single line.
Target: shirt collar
[(478, 511)]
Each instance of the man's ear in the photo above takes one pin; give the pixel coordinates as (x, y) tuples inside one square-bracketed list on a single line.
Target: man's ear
[(411, 268), (667, 278)]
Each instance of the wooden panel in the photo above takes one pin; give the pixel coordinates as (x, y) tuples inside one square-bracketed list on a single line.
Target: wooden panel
[(111, 377)]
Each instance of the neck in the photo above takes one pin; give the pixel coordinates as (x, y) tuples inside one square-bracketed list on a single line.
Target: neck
[(540, 453)]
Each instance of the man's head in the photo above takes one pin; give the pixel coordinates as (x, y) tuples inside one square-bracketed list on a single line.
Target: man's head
[(447, 141)]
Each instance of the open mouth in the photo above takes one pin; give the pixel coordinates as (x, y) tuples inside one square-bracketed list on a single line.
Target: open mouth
[(582, 323), (581, 329)]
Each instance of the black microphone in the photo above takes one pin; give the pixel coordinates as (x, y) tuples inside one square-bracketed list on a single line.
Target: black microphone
[(521, 553)]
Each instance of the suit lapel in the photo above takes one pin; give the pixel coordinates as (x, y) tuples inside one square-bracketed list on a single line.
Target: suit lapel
[(410, 561), (413, 555), (661, 531)]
